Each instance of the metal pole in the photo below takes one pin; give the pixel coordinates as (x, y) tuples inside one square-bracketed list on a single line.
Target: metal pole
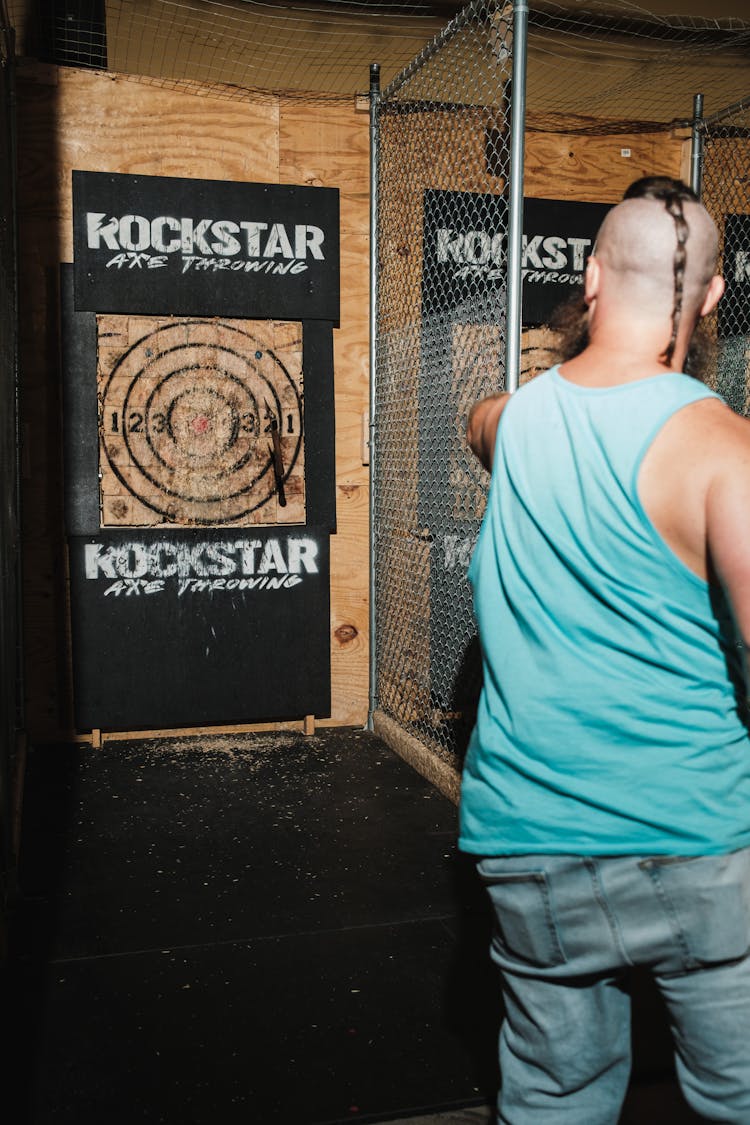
[(696, 147), (515, 202), (18, 561), (374, 102)]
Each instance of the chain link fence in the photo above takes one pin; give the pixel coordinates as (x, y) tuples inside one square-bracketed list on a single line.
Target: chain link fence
[(726, 194), (443, 162)]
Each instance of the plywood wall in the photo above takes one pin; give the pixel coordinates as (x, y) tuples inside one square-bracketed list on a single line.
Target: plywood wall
[(101, 122), (71, 119)]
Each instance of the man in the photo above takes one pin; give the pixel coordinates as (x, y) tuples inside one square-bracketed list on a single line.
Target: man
[(606, 789)]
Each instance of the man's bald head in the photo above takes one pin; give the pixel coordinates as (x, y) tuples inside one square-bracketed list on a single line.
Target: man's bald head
[(649, 280), (637, 244)]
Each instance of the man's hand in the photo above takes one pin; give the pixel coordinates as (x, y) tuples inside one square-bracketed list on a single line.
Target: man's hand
[(481, 428)]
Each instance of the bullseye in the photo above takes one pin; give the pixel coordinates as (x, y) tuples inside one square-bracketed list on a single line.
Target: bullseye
[(201, 424)]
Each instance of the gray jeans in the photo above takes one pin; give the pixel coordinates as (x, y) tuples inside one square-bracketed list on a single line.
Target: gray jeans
[(567, 928)]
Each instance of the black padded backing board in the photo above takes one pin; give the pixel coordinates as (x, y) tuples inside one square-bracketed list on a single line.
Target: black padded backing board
[(186, 628), (465, 252), (183, 626)]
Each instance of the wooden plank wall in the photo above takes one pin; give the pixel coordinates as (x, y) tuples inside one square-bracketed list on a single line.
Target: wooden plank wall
[(107, 122), (103, 122)]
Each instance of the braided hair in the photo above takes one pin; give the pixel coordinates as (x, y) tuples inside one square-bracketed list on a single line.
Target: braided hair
[(673, 194), (570, 319)]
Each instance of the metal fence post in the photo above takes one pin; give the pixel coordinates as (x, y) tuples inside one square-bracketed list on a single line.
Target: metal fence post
[(515, 215), (374, 100), (696, 146)]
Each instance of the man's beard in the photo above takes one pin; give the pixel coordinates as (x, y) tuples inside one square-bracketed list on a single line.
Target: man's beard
[(570, 324)]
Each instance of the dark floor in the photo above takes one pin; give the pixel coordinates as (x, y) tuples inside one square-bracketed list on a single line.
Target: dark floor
[(272, 930)]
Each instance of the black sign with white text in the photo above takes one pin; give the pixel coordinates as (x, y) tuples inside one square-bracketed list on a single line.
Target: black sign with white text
[(165, 246), (465, 250), (190, 626)]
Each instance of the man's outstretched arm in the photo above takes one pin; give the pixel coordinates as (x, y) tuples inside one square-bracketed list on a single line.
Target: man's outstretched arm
[(481, 428)]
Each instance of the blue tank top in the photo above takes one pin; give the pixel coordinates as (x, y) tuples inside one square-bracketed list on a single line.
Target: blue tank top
[(612, 714)]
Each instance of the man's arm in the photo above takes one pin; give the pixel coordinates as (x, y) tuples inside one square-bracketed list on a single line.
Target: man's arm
[(728, 523), (481, 428)]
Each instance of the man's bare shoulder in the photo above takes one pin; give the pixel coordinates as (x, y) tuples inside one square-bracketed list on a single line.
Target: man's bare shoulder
[(709, 429), (717, 410), (703, 444), (703, 448)]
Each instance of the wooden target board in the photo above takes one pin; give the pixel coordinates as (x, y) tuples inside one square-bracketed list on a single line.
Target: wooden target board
[(201, 422)]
